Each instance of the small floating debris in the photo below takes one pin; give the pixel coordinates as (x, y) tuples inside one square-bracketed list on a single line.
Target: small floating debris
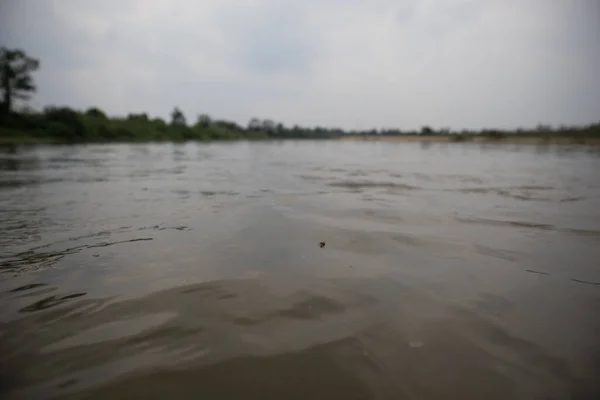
[(322, 244)]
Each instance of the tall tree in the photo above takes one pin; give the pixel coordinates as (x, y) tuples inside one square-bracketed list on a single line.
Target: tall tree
[(177, 117), (15, 76)]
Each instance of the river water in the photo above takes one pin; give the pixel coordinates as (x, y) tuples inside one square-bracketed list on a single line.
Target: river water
[(448, 271)]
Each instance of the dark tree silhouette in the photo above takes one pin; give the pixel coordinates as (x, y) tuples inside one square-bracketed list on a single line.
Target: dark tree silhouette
[(254, 124), (203, 121), (96, 113), (15, 76), (177, 117), (427, 131)]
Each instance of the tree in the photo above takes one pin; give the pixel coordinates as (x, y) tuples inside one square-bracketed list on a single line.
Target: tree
[(254, 124), (427, 131), (65, 123), (15, 76), (96, 113), (177, 117), (268, 126), (203, 121)]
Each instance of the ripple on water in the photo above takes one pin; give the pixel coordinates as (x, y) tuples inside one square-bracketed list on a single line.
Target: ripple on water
[(285, 339), (371, 184), (418, 293)]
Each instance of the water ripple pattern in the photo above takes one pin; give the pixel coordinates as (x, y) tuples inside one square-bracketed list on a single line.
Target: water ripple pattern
[(300, 270)]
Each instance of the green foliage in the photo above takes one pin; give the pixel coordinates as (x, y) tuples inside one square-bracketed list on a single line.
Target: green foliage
[(63, 124), (203, 121), (96, 113)]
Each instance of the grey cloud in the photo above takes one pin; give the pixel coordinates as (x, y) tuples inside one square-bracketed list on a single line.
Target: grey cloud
[(467, 63), (271, 38)]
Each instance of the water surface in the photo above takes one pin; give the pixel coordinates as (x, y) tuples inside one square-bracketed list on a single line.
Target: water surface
[(464, 271)]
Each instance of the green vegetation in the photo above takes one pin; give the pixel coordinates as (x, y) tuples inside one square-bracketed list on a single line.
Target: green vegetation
[(65, 125)]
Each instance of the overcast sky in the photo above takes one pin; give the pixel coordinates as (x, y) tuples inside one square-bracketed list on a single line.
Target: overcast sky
[(347, 63)]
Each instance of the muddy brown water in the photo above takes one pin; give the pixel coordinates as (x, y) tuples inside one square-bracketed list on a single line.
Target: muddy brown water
[(450, 271)]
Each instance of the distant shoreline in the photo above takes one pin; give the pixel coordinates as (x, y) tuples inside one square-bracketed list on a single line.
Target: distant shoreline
[(476, 139), (592, 141)]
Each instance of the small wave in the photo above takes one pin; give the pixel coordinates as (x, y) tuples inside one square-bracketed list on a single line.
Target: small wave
[(311, 308), (571, 199), (534, 187), (27, 287), (423, 177), (496, 253), (163, 228), (210, 193), (49, 302), (537, 272), (406, 239), (462, 178), (311, 177), (358, 173), (493, 222), (523, 193), (530, 225), (371, 184), (586, 282), (583, 232), (16, 183), (521, 196), (31, 260), (475, 190), (106, 244), (68, 160), (91, 179)]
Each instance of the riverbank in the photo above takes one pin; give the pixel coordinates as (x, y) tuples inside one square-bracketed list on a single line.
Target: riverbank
[(10, 136), (477, 139), (13, 137)]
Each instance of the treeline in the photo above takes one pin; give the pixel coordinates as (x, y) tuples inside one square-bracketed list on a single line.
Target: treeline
[(540, 131), (576, 133), (63, 124)]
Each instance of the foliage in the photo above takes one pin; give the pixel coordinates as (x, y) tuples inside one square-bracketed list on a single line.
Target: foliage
[(15, 76), (64, 124)]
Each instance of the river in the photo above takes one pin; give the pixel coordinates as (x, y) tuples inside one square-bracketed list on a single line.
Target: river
[(300, 270)]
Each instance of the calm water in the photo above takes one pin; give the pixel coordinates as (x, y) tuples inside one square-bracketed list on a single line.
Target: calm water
[(450, 271)]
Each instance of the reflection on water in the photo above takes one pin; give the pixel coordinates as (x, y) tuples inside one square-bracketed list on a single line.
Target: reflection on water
[(196, 270)]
